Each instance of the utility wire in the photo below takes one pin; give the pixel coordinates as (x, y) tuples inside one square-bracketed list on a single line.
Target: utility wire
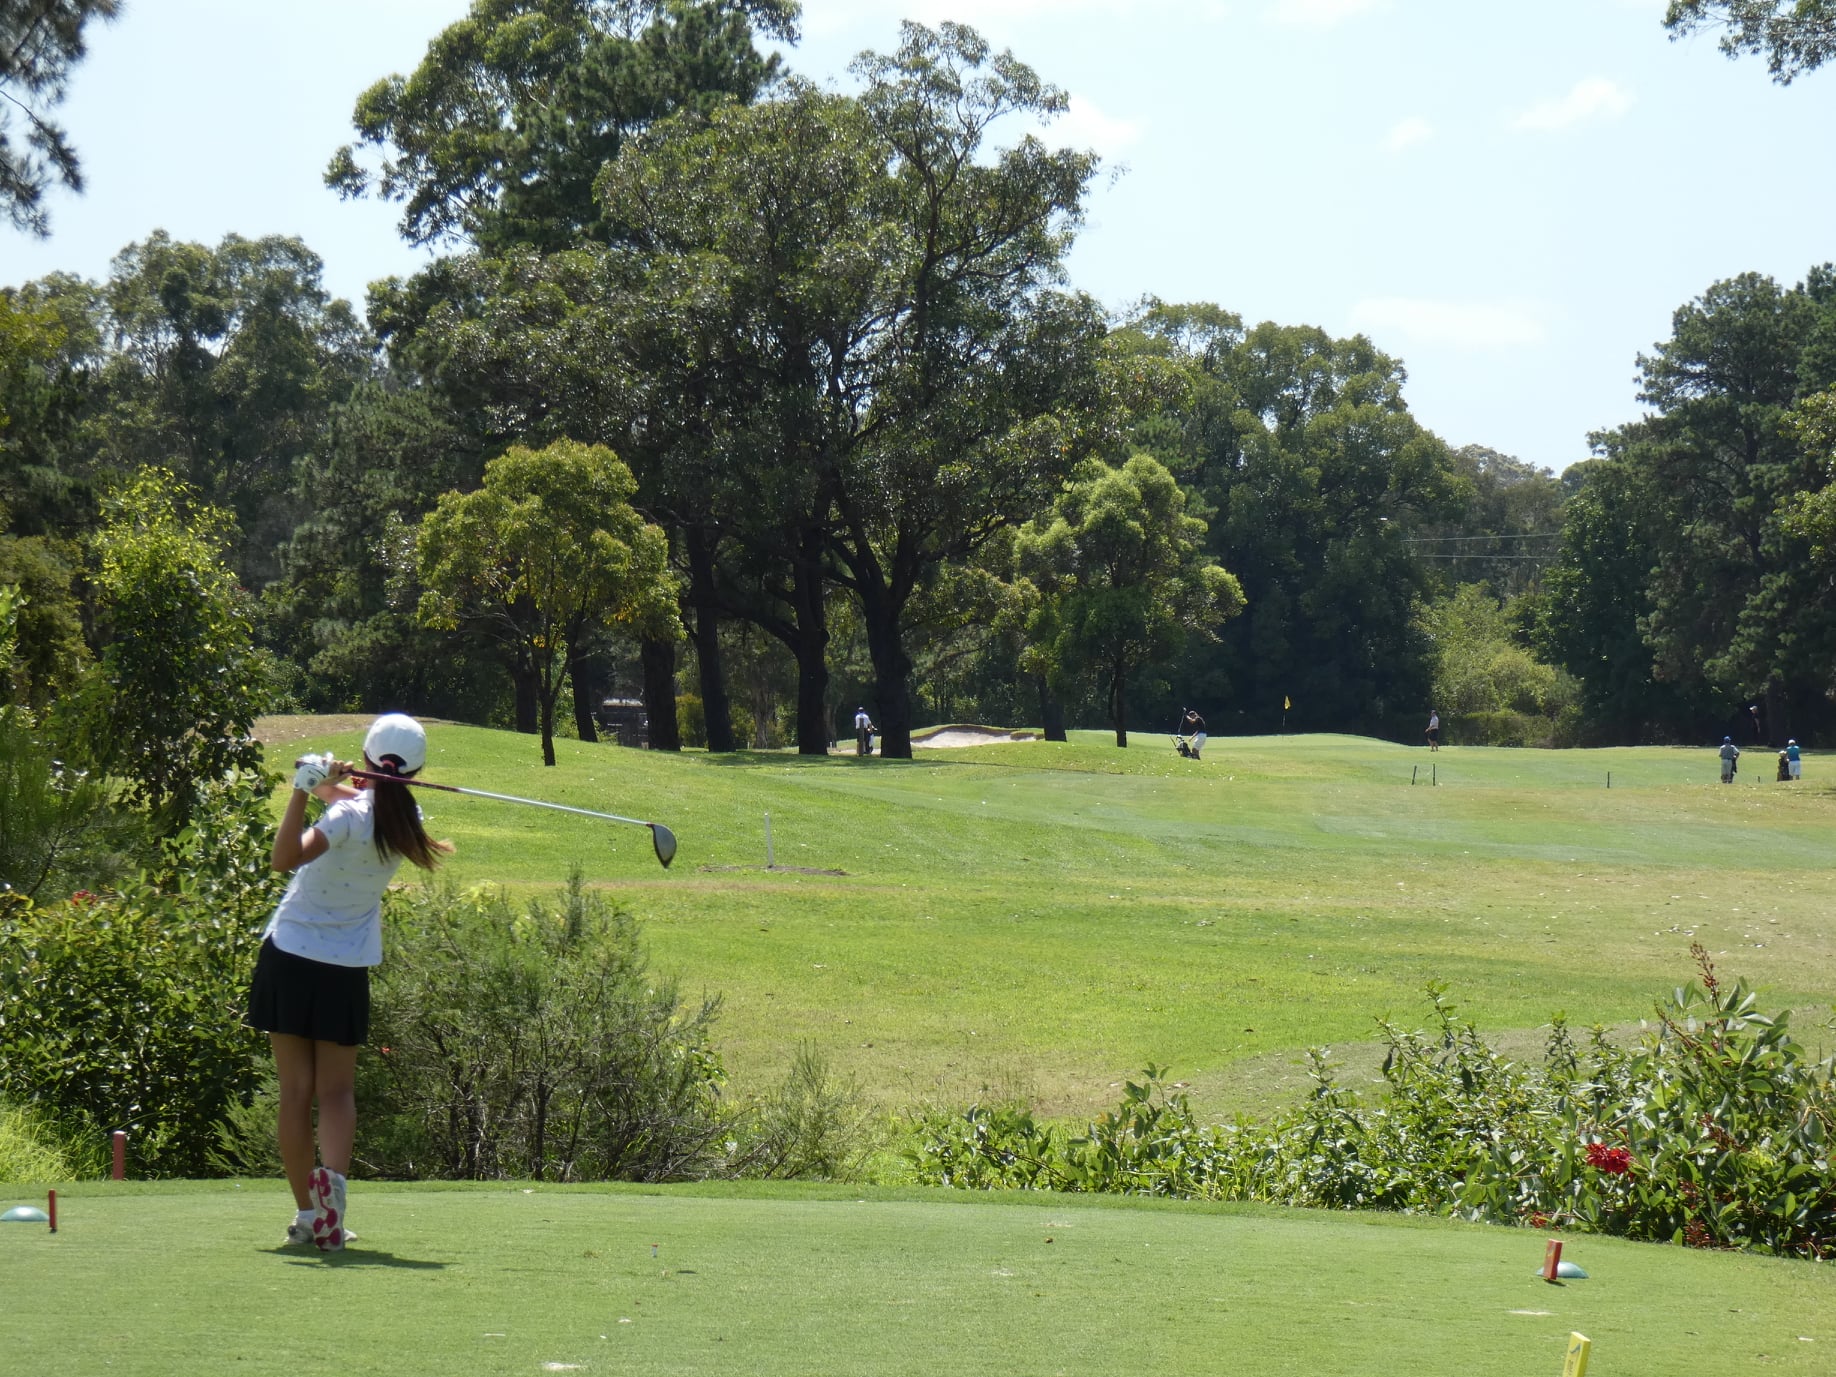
[(1450, 540)]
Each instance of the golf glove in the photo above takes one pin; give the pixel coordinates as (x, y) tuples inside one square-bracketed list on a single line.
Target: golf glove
[(311, 771)]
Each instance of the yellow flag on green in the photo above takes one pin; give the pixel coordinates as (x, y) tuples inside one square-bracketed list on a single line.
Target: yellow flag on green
[(1286, 702)]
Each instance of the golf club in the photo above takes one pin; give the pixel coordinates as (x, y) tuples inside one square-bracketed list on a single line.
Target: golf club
[(660, 836)]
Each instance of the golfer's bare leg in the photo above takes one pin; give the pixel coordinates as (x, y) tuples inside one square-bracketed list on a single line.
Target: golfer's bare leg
[(293, 1063), (335, 1079)]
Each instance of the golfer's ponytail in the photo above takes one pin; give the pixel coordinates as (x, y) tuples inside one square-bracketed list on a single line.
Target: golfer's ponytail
[(398, 826)]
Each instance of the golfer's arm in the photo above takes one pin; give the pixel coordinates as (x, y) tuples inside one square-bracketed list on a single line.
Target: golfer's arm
[(294, 842)]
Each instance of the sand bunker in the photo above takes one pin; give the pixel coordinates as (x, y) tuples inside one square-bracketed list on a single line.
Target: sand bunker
[(969, 736)]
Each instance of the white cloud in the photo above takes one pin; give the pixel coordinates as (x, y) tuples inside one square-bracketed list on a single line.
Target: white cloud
[(1322, 14), (1407, 133), (1462, 324), (1086, 126), (1593, 99)]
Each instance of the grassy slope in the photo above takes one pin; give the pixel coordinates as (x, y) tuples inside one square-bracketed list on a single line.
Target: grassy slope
[(1290, 886), (149, 1280), (1044, 919)]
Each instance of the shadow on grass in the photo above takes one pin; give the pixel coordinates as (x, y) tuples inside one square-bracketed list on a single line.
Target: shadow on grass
[(782, 758), (354, 1257)]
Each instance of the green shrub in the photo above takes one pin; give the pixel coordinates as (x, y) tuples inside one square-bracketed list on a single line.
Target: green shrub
[(31, 1151), (692, 720), (123, 1010), (247, 1143), (179, 686), (810, 1127), (1500, 728), (533, 1042), (1714, 1132), (59, 827)]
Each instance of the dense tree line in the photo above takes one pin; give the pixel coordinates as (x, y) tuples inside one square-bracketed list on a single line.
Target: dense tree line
[(1689, 584), (737, 393)]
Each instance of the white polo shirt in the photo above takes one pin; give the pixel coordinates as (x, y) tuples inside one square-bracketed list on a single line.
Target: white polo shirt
[(332, 910)]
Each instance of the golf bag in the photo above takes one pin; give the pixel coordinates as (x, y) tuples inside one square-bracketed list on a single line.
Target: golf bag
[(1183, 746)]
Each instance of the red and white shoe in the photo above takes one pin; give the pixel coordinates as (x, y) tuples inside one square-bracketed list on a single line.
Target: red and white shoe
[(327, 1190)]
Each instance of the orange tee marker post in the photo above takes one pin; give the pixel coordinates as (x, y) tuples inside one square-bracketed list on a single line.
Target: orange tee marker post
[(1552, 1259), (51, 1211), (1578, 1348)]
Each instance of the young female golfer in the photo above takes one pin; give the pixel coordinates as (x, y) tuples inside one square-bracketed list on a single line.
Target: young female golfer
[(311, 991)]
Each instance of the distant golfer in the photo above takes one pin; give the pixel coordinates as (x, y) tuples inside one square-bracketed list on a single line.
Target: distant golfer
[(1794, 759), (311, 991), (1758, 733), (863, 732), (1193, 728), (1434, 730), (1730, 757)]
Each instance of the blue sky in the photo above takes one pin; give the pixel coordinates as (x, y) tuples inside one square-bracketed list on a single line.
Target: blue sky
[(1513, 199)]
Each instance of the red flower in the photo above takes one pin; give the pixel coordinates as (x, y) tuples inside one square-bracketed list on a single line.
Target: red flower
[(1615, 1161)]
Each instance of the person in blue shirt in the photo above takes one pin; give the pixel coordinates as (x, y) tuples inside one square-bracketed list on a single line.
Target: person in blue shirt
[(1794, 759), (1730, 759)]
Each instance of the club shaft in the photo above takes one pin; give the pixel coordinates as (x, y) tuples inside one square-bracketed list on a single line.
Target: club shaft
[(501, 798)]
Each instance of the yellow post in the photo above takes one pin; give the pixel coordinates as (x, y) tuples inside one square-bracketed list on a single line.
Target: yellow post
[(1578, 1347)]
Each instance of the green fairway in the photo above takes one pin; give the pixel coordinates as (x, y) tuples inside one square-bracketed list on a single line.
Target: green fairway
[(1043, 919), (155, 1280)]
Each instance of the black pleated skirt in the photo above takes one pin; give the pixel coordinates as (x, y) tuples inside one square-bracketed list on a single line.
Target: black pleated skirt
[(309, 999)]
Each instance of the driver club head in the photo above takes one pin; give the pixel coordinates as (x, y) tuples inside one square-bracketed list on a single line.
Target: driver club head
[(665, 842)]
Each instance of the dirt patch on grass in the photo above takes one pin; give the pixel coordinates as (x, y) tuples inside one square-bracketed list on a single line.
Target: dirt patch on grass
[(778, 869), (281, 728)]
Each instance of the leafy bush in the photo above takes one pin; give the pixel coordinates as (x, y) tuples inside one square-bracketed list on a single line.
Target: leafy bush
[(57, 822), (1501, 728), (246, 1142), (1491, 690), (180, 684), (123, 1010), (1714, 1132), (692, 720), (532, 1041), (32, 1153), (810, 1127)]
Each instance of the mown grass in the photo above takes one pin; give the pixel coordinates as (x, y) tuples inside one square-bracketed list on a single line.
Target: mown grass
[(150, 1280), (1042, 919), (1038, 919)]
